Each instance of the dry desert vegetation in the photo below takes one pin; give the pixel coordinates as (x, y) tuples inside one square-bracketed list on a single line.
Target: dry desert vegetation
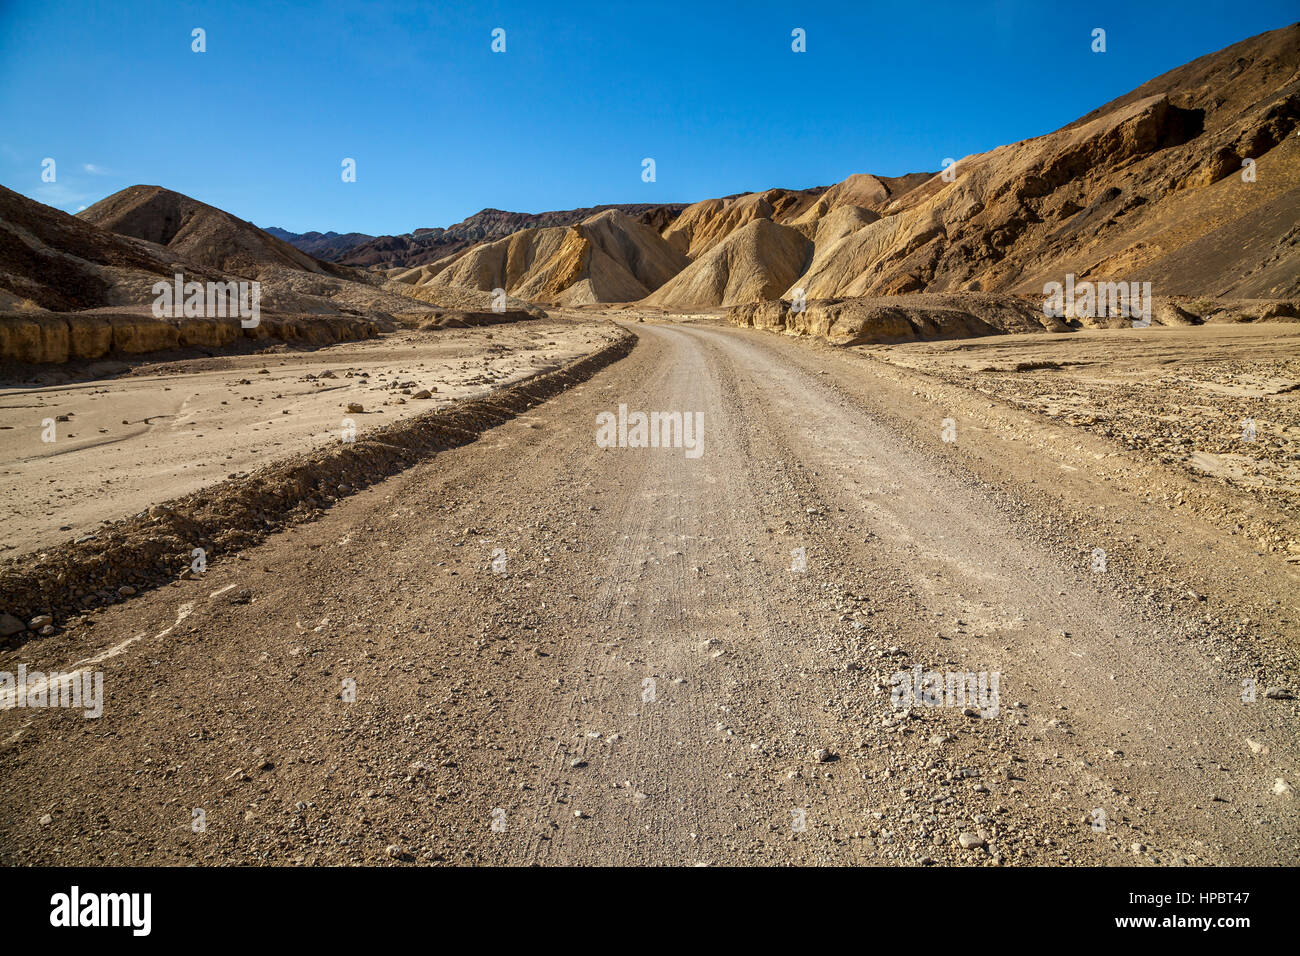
[(942, 576)]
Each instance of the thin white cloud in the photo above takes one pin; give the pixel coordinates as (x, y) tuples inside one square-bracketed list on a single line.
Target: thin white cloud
[(94, 170), (60, 195)]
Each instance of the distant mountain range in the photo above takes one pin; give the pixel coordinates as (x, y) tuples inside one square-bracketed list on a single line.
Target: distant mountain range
[(424, 246), (329, 246)]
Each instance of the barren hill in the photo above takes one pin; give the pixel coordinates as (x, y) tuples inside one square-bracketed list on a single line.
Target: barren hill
[(70, 290), (703, 225), (51, 262), (1148, 188), (201, 234), (862, 190), (426, 246), (608, 257), (752, 263), (55, 261)]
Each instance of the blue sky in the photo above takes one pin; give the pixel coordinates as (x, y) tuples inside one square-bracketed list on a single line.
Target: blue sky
[(440, 126)]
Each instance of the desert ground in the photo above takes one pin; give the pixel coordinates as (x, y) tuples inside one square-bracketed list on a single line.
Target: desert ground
[(170, 428), (1217, 400), (643, 678)]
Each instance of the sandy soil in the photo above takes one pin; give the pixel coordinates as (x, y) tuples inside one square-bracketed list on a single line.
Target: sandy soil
[(1184, 395), (645, 679), (168, 429)]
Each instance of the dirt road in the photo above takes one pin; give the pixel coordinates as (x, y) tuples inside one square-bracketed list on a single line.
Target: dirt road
[(644, 678)]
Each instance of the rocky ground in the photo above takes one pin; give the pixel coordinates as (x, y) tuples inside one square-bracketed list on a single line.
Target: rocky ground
[(159, 430), (568, 653), (1217, 401)]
